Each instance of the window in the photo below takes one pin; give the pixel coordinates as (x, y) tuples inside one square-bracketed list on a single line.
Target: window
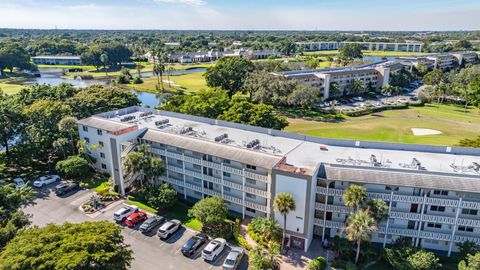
[(227, 189), (85, 128), (102, 155), (251, 181), (104, 166), (441, 192), (100, 143), (251, 196), (250, 209), (472, 212), (434, 225), (179, 162), (394, 204), (226, 161), (99, 132), (465, 229), (87, 140), (226, 174), (437, 208), (251, 167)]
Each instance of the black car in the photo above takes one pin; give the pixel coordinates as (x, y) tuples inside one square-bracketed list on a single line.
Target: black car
[(193, 244), (151, 223), (65, 188)]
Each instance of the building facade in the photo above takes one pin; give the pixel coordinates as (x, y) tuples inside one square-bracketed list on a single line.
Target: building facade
[(433, 192), (57, 60), (377, 46)]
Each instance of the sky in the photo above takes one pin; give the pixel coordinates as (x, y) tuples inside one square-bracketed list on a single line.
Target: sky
[(242, 14)]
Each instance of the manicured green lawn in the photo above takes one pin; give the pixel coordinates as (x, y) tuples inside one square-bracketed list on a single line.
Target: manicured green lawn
[(96, 182), (190, 82), (10, 88), (179, 211), (395, 126)]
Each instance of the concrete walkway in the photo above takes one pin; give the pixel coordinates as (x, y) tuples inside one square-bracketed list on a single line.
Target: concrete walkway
[(298, 259)]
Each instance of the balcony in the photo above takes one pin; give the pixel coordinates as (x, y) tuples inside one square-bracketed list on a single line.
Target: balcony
[(193, 173), (158, 151), (256, 206), (256, 176), (232, 170), (193, 187), (257, 192), (172, 181), (175, 169), (212, 165), (192, 160), (213, 179), (233, 199), (233, 185)]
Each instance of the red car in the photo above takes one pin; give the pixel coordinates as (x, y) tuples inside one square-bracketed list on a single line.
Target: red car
[(135, 218)]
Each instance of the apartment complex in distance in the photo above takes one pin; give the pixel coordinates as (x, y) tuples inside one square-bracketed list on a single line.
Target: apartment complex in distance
[(433, 192), (377, 46), (374, 75), (213, 55), (57, 60)]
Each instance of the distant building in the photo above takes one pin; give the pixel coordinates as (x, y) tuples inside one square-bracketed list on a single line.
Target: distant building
[(57, 60), (378, 46), (213, 55)]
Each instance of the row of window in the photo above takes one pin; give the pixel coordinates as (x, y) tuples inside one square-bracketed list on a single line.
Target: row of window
[(99, 131)]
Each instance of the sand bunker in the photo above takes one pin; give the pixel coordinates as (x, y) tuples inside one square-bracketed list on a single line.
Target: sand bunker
[(425, 131)]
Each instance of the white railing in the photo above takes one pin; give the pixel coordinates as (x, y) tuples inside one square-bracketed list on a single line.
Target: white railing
[(212, 179), (468, 222), (193, 173), (210, 164), (192, 160), (256, 176), (172, 181), (461, 239), (211, 192), (175, 155), (159, 152), (233, 185), (470, 205), (175, 169), (193, 187), (232, 170), (130, 178), (256, 206), (128, 149), (233, 199), (257, 192)]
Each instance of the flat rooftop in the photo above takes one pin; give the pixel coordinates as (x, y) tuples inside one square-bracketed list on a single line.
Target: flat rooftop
[(302, 152)]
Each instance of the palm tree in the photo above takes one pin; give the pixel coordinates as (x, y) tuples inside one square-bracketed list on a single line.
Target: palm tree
[(284, 203), (156, 168), (358, 87), (169, 69), (158, 70), (334, 90), (140, 161), (359, 227), (104, 60), (355, 196), (68, 125)]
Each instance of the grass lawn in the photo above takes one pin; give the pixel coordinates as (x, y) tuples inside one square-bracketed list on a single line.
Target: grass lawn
[(190, 82), (395, 125), (96, 182), (10, 88), (367, 53), (179, 211)]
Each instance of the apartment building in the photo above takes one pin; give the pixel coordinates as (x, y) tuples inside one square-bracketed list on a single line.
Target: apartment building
[(212, 55), (378, 46), (57, 60), (445, 61), (433, 192), (373, 75)]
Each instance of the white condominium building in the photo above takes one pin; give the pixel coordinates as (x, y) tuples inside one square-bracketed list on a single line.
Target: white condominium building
[(378, 46), (72, 60), (433, 192), (373, 75)]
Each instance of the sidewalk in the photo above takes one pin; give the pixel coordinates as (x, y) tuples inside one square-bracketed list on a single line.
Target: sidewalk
[(298, 259), (244, 233)]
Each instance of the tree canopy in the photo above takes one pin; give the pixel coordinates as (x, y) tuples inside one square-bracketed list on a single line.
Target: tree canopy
[(73, 167), (229, 74), (209, 211), (350, 51), (89, 245)]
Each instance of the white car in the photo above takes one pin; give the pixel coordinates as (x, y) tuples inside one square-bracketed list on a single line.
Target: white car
[(46, 180), (233, 258), (19, 182), (213, 249), (121, 214), (169, 228)]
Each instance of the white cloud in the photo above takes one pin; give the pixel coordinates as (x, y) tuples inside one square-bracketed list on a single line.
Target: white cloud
[(196, 3)]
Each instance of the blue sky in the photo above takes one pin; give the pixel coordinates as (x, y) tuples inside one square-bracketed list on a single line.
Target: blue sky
[(243, 15)]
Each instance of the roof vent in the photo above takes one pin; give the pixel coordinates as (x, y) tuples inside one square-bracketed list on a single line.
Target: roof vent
[(145, 114), (186, 130), (127, 118), (254, 144), (161, 122), (221, 137)]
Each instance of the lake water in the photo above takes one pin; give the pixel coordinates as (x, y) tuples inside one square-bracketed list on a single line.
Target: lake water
[(377, 58)]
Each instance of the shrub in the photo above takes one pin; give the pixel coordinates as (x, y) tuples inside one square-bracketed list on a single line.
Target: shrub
[(238, 237), (137, 80), (73, 167), (317, 264)]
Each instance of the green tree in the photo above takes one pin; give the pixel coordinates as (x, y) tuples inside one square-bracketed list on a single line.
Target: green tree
[(209, 211), (68, 127), (261, 115), (10, 120), (318, 263), (161, 196), (89, 245), (378, 209), (355, 196), (470, 142), (467, 248), (350, 51), (206, 103), (359, 227), (304, 96), (267, 229), (472, 263), (140, 161), (158, 70), (13, 54), (73, 167), (423, 260), (284, 203), (104, 60), (434, 77), (229, 73), (264, 258), (358, 87)]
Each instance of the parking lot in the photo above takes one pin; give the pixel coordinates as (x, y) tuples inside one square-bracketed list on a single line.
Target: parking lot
[(149, 251)]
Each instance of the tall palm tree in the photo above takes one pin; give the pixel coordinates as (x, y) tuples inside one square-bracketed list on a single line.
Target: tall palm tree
[(359, 227), (358, 86), (169, 69), (158, 70), (284, 203), (355, 196)]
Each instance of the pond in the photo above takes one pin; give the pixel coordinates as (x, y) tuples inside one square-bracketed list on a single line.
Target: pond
[(377, 58), (147, 99), (53, 77)]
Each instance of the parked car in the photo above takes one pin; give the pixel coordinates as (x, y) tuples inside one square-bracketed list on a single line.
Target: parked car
[(18, 182), (233, 258), (151, 223), (121, 214), (169, 228), (65, 188), (213, 249), (135, 218), (193, 244), (46, 180)]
